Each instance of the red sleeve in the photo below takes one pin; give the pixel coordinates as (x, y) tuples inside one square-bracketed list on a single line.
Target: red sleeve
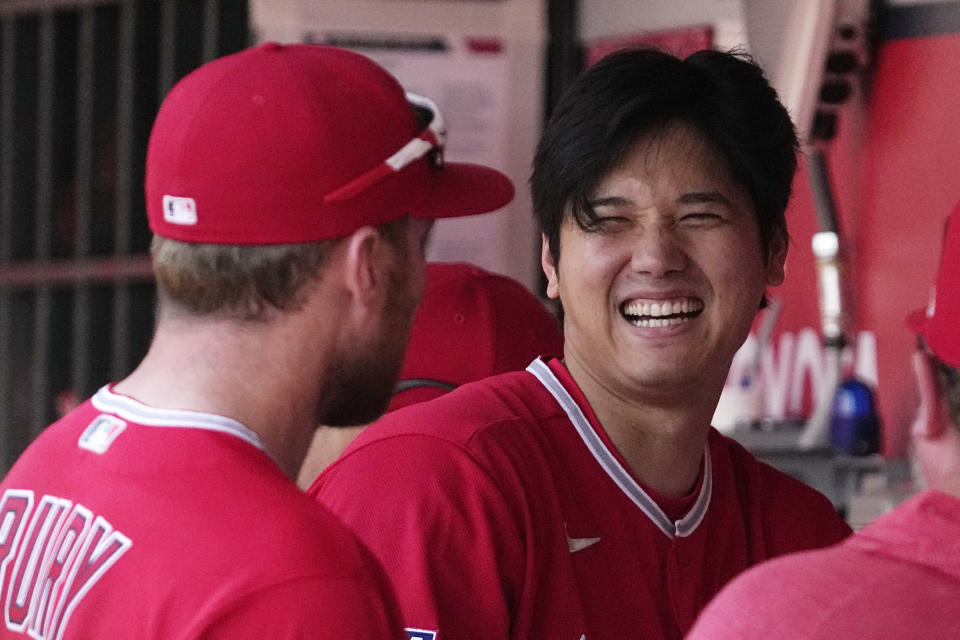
[(441, 528), (309, 609)]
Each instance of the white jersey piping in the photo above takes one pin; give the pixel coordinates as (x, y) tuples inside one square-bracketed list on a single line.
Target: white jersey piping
[(620, 476), (134, 411)]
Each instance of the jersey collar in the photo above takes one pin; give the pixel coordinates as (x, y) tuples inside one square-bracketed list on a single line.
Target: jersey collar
[(131, 410), (620, 476)]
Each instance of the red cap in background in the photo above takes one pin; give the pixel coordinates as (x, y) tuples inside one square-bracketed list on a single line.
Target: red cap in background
[(281, 144), (472, 324), (939, 323)]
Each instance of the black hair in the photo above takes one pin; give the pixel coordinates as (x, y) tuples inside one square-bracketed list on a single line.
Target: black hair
[(632, 93)]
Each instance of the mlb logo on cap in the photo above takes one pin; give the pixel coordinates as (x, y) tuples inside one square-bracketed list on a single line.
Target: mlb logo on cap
[(420, 634), (179, 210)]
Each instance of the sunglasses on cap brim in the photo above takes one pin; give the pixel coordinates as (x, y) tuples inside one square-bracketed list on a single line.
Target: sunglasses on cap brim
[(428, 143)]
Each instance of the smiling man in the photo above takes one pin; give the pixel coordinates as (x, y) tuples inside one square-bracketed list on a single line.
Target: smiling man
[(589, 497)]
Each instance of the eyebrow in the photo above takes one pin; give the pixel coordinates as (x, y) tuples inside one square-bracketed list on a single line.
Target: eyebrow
[(613, 201), (694, 197), (697, 197)]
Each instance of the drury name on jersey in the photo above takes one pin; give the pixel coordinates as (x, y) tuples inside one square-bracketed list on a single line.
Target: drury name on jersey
[(52, 552)]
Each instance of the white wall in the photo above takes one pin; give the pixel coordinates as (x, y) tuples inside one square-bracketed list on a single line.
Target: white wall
[(603, 18)]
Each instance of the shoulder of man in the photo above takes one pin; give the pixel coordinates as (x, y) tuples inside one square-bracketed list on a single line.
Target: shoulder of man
[(434, 490), (751, 607), (793, 515), (458, 416)]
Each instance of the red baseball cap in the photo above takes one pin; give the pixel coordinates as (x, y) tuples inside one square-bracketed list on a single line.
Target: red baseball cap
[(281, 144), (939, 323), (471, 324)]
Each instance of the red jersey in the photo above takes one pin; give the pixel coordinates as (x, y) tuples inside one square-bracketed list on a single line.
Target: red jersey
[(899, 577), (124, 521), (502, 510)]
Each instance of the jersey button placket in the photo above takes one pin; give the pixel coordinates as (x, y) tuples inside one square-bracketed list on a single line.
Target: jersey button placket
[(675, 577)]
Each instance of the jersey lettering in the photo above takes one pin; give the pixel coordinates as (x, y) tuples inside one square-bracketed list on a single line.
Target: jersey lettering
[(100, 549), (67, 546), (14, 507), (45, 520), (60, 557)]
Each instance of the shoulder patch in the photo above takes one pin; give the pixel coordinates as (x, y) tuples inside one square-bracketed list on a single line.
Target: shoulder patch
[(420, 634), (101, 433)]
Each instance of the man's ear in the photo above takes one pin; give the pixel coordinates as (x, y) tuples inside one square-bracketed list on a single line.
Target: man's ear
[(776, 259), (936, 441), (930, 421), (549, 268), (364, 264)]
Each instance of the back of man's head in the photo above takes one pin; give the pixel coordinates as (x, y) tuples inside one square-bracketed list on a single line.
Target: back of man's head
[(259, 159)]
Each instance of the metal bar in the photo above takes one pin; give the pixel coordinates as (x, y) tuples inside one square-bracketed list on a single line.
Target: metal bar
[(7, 100), (211, 29), (123, 189), (65, 273), (83, 203), (564, 52), (40, 395), (823, 199), (32, 7), (168, 46)]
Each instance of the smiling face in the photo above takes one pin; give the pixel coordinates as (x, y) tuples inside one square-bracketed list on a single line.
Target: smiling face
[(660, 293)]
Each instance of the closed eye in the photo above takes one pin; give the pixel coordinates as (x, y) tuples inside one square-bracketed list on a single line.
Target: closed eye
[(701, 219), (607, 224)]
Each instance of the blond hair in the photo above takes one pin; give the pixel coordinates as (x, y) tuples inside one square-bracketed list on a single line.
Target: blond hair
[(244, 282)]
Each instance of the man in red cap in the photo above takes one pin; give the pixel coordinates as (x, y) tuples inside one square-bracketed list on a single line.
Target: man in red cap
[(899, 577), (470, 325), (289, 189)]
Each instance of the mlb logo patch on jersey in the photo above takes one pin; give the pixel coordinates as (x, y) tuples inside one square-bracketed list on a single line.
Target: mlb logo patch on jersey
[(177, 210), (420, 634), (101, 433)]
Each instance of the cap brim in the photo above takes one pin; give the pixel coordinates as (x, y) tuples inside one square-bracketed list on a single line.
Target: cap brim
[(916, 320), (461, 189)]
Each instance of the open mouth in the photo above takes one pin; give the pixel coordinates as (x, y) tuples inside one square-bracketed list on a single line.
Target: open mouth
[(661, 313)]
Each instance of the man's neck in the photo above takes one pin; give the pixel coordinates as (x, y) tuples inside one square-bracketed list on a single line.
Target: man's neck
[(249, 377), (662, 442)]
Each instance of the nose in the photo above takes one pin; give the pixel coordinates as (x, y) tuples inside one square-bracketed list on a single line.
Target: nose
[(657, 252)]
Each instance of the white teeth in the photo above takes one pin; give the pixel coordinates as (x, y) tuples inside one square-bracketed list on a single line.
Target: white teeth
[(660, 322), (662, 308)]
